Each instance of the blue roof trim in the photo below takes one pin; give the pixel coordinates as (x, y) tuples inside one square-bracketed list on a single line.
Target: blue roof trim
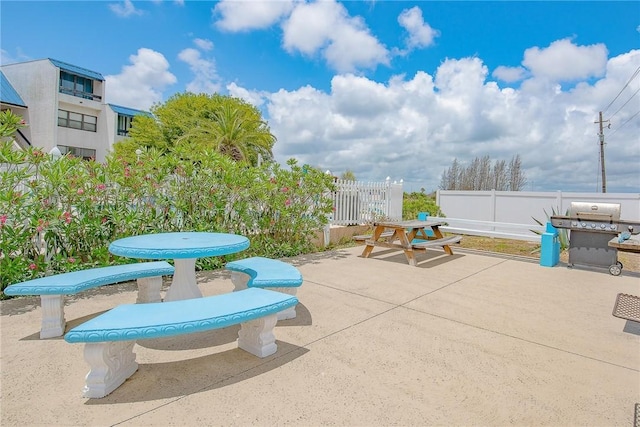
[(77, 70), (8, 94), (126, 111)]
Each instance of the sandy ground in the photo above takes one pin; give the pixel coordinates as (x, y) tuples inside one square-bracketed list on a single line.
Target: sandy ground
[(467, 339)]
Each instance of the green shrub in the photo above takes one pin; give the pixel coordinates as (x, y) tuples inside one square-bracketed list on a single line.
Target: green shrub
[(414, 203), (60, 215)]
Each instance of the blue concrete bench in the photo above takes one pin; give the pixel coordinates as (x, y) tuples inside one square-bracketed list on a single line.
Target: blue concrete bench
[(110, 337), (259, 272), (52, 288)]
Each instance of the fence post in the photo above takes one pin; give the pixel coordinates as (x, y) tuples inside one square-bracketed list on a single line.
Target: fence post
[(326, 231), (387, 196)]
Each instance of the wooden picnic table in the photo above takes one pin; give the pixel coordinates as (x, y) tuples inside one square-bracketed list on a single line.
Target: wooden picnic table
[(409, 236)]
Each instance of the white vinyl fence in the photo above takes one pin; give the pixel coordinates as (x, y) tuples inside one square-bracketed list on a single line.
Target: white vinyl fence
[(357, 202), (520, 207)]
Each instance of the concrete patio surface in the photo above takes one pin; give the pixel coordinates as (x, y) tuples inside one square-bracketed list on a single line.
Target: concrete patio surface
[(468, 339)]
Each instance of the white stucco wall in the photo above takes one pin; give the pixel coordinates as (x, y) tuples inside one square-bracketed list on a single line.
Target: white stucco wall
[(37, 82)]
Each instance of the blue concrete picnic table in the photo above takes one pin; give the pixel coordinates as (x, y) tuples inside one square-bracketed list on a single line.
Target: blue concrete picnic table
[(184, 248)]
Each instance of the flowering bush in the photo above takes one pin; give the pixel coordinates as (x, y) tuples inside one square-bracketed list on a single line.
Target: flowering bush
[(60, 215)]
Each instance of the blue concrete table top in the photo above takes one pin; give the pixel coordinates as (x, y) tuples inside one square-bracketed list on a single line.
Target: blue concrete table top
[(179, 245)]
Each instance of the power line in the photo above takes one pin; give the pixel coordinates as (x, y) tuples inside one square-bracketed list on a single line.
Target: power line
[(634, 94), (628, 120), (635, 74)]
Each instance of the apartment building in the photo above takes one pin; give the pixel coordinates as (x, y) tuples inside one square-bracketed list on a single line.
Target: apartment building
[(64, 107)]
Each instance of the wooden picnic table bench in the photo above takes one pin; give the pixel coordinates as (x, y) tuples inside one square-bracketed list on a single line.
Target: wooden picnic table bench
[(409, 236)]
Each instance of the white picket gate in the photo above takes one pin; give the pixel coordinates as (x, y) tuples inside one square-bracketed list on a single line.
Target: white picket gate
[(357, 202)]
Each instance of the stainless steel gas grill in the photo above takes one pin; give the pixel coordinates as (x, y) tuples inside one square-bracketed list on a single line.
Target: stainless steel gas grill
[(591, 226)]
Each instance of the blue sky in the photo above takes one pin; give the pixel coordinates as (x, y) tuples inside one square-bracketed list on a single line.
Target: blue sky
[(381, 88)]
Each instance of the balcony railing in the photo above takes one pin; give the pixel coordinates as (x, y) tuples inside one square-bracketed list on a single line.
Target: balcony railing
[(80, 94)]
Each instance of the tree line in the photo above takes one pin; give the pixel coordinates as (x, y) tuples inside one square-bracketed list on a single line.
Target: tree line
[(480, 174)]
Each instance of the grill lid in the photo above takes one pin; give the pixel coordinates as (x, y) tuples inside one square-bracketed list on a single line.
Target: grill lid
[(589, 211)]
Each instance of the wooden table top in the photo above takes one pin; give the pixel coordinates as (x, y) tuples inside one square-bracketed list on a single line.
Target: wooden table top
[(408, 224)]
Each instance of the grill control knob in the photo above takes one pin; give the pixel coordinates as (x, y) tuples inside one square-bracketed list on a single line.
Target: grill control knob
[(613, 227), (574, 224), (593, 225), (584, 224), (603, 226)]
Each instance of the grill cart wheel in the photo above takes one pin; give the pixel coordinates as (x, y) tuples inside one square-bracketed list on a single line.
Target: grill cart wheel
[(616, 269)]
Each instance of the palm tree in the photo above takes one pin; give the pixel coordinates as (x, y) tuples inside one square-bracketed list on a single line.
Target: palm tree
[(198, 122), (240, 133)]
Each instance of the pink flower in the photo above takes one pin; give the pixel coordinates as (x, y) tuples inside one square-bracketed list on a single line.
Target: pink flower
[(39, 229), (71, 260), (80, 191), (104, 219), (287, 202), (101, 187), (285, 189), (32, 266), (3, 219)]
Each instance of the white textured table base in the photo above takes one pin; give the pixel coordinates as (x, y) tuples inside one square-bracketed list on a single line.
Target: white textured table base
[(184, 285)]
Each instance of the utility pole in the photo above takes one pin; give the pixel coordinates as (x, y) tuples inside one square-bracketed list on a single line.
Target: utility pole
[(601, 135)]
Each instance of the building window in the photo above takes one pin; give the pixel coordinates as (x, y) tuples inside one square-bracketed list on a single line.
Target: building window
[(80, 121), (124, 124), (75, 85), (84, 153)]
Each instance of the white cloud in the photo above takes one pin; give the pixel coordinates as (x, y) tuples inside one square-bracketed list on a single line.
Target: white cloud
[(412, 128), (565, 61), (420, 33), (509, 74), (204, 44), (140, 84), (250, 15), (206, 79), (345, 42), (124, 9), (252, 97)]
